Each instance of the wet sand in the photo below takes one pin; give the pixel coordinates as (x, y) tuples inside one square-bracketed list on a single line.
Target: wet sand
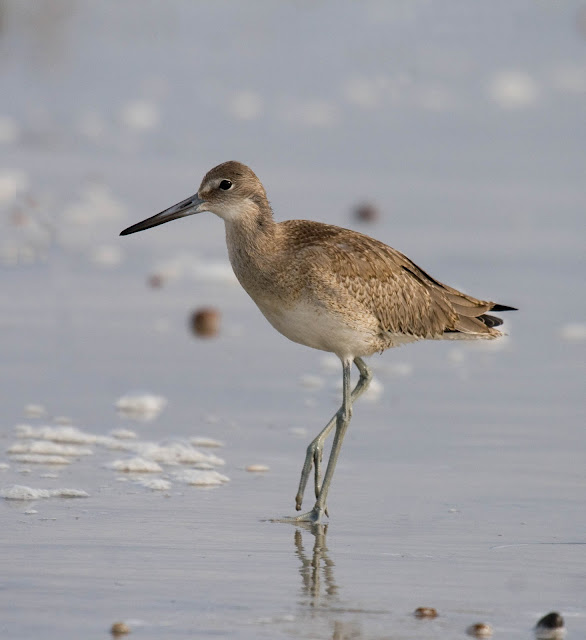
[(461, 483)]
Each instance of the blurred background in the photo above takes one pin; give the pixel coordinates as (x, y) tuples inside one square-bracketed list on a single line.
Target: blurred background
[(452, 131)]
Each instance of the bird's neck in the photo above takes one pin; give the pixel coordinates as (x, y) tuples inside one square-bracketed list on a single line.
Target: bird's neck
[(252, 241), (253, 231)]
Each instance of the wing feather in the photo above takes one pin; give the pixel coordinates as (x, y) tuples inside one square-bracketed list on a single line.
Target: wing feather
[(402, 296)]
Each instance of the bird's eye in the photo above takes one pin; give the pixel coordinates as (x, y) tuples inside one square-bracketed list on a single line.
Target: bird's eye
[(225, 185)]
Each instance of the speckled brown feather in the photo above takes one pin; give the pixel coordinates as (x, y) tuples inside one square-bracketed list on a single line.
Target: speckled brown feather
[(403, 298)]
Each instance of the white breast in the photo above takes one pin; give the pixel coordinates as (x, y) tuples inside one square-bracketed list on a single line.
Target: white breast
[(307, 324)]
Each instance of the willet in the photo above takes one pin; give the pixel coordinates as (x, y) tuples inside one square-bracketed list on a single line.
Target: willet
[(331, 289)]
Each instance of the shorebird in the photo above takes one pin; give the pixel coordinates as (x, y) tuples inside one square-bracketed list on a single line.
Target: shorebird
[(331, 289)]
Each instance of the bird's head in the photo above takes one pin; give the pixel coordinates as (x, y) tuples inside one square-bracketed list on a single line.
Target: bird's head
[(231, 191)]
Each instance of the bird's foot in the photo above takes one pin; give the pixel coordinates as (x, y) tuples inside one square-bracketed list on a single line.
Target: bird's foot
[(299, 499), (314, 516)]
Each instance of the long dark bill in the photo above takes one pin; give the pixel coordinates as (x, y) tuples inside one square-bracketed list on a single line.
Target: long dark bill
[(184, 208)]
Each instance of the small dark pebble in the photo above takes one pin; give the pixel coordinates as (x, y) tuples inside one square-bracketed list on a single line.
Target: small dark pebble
[(479, 630), (156, 281), (205, 323), (550, 626), (119, 629), (425, 612), (366, 213)]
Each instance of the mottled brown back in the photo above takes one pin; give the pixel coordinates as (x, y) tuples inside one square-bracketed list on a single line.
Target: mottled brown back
[(403, 297)]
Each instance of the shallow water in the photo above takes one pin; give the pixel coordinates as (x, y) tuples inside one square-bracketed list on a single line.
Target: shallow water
[(460, 486)]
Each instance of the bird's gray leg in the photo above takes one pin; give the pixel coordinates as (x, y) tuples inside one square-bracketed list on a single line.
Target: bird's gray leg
[(342, 421), (361, 386), (315, 449)]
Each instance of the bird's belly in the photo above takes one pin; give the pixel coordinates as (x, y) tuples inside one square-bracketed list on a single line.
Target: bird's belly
[(314, 327)]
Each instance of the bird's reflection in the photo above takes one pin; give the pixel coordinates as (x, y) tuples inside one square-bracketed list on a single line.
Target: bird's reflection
[(317, 568), (319, 588)]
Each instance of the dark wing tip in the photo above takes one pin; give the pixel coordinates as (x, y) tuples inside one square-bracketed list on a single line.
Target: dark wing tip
[(490, 321), (502, 307)]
